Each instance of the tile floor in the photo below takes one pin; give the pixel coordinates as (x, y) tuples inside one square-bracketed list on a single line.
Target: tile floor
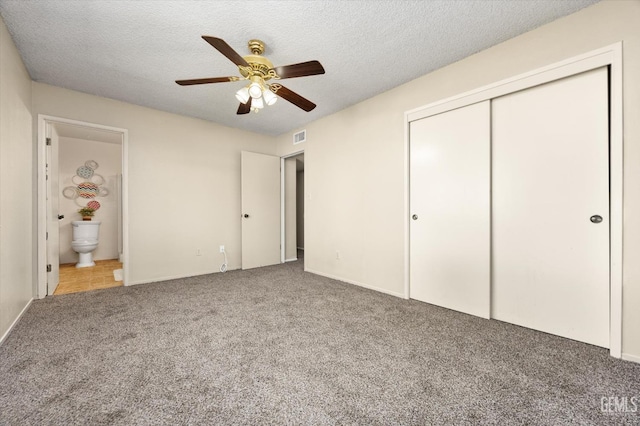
[(75, 280)]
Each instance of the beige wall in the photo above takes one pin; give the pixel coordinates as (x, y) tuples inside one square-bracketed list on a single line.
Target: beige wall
[(72, 154), (184, 182), (16, 210), (357, 207)]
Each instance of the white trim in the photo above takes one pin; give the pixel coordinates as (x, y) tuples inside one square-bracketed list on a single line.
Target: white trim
[(581, 63), (607, 56), (179, 277), (407, 207), (124, 193), (632, 358), (359, 284), (293, 259), (15, 321), (282, 206), (41, 283), (616, 197), (43, 122)]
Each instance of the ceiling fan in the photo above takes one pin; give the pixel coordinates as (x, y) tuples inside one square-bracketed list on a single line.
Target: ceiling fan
[(259, 70)]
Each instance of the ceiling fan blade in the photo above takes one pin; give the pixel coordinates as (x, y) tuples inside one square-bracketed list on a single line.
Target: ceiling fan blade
[(245, 108), (206, 80), (292, 97), (302, 69), (226, 50)]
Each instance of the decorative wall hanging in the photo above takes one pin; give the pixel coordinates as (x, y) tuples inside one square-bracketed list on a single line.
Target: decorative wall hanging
[(87, 190), (87, 187), (93, 205)]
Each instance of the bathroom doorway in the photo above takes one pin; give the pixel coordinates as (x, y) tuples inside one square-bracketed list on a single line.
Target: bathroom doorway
[(82, 166)]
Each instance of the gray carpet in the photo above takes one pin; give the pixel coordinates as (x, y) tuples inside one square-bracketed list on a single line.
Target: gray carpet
[(280, 346)]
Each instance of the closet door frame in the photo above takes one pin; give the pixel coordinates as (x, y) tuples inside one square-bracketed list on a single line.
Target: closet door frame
[(609, 56)]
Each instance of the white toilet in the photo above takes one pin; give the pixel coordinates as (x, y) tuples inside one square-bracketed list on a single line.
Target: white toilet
[(85, 240)]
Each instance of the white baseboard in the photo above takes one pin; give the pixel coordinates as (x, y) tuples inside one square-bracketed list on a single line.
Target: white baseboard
[(293, 259), (13, 324), (632, 358), (359, 284), (176, 277)]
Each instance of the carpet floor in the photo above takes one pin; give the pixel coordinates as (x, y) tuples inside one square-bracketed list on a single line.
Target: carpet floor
[(277, 345)]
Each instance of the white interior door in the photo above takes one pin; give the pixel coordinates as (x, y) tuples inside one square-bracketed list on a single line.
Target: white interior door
[(450, 207), (260, 210), (550, 176), (53, 226)]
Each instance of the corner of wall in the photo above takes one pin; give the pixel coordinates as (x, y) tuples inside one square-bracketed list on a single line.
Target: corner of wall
[(16, 185)]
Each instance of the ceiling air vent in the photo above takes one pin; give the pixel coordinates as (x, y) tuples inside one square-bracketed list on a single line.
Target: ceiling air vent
[(300, 137)]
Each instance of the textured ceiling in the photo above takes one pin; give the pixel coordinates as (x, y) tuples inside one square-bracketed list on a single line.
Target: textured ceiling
[(134, 50)]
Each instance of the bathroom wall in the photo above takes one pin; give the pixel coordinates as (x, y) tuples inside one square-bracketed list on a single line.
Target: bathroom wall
[(72, 154)]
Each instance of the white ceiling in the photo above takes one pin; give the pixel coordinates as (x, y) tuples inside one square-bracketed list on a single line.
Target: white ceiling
[(134, 50)]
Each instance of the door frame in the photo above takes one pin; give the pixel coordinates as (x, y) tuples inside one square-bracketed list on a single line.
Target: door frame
[(43, 122), (282, 204), (610, 56)]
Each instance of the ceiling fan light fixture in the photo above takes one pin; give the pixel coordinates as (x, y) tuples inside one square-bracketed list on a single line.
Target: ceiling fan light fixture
[(255, 90), (257, 103), (242, 95), (257, 69), (269, 97)]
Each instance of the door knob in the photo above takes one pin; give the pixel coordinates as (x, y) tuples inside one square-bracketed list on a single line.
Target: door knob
[(246, 216), (596, 218), (60, 216), (414, 217)]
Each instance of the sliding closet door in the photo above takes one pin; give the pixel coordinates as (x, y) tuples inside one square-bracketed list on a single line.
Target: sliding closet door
[(450, 208), (550, 208)]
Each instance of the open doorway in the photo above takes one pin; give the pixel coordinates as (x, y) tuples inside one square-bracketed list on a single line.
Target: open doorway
[(293, 207), (300, 206), (82, 226)]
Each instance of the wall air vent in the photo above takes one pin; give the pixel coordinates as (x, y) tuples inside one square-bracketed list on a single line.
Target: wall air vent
[(300, 137)]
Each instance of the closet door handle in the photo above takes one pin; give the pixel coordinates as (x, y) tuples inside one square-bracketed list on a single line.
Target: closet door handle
[(246, 216), (596, 218), (414, 217), (60, 216)]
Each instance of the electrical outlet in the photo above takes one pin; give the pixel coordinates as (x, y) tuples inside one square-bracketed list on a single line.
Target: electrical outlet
[(221, 249), (198, 252)]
